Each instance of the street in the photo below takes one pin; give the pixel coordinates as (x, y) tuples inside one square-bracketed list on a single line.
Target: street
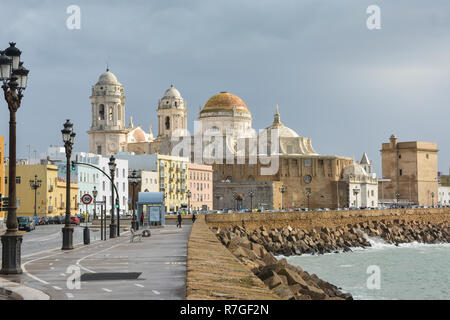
[(160, 258), (49, 236)]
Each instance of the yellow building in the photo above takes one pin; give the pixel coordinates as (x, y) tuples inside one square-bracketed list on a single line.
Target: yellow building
[(173, 181), (50, 197), (2, 170)]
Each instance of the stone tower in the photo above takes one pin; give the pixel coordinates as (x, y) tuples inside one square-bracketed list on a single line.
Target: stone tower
[(108, 133), (172, 114)]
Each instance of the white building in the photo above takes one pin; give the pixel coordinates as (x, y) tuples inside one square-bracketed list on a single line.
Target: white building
[(444, 196), (362, 184), (88, 176)]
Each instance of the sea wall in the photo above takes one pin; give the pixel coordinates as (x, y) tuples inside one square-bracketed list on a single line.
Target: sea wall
[(213, 273), (329, 219)]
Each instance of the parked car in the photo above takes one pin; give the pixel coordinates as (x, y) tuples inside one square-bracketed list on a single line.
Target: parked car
[(42, 220), (75, 220), (36, 220), (26, 223)]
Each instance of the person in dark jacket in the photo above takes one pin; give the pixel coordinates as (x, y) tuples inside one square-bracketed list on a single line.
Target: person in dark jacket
[(193, 217), (179, 219)]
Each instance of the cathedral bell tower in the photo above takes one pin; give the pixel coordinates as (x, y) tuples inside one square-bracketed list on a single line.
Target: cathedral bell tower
[(108, 134), (172, 114)]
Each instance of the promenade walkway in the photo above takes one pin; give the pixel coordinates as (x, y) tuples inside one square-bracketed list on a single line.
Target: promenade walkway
[(161, 259)]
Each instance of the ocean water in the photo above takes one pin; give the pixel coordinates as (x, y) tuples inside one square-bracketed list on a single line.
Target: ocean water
[(384, 271)]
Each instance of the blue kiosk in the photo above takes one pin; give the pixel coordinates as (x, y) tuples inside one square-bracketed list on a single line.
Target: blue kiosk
[(150, 209)]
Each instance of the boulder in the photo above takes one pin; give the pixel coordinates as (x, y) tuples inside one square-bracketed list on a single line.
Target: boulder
[(273, 280)]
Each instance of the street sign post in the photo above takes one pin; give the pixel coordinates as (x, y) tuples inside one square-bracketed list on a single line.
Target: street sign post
[(86, 199)]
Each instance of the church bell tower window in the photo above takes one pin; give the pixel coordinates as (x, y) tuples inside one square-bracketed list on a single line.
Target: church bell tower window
[(167, 123), (102, 112)]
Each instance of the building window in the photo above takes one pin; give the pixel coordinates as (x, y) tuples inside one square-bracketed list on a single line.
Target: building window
[(167, 123), (307, 162), (18, 179), (401, 172), (399, 156), (110, 116), (101, 112), (99, 149), (428, 156)]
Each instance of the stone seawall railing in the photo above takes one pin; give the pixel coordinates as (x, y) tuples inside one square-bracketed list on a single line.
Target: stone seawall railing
[(330, 219), (213, 272)]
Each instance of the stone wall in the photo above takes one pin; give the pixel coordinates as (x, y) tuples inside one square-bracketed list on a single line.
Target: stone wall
[(213, 272), (330, 219)]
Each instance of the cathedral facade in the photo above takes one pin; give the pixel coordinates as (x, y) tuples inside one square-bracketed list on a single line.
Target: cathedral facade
[(303, 178)]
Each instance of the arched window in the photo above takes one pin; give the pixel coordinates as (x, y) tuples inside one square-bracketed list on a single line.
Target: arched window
[(101, 112), (251, 179), (110, 116), (167, 123)]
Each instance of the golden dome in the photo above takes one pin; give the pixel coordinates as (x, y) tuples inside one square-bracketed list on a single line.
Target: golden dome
[(225, 101)]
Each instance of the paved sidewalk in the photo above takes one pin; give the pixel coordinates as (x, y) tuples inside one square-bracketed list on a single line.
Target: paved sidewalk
[(161, 259)]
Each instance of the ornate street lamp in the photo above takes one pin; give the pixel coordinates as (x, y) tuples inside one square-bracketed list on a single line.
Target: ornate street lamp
[(235, 198), (355, 192), (95, 194), (218, 196), (308, 195), (112, 169), (189, 195), (14, 77), (251, 194), (134, 181), (283, 189), (397, 196), (35, 184), (68, 138)]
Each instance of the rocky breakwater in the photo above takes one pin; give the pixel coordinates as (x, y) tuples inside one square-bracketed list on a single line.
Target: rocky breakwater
[(292, 241), (285, 280)]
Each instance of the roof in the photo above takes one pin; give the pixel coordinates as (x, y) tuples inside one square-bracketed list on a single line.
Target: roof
[(150, 197)]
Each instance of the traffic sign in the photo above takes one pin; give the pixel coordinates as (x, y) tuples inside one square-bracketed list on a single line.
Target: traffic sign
[(86, 198)]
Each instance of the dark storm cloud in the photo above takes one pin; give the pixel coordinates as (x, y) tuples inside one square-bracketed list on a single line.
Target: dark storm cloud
[(344, 86)]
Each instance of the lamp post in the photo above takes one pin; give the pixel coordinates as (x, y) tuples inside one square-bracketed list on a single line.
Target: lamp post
[(397, 196), (95, 194), (35, 184), (134, 181), (189, 195), (308, 195), (283, 189), (68, 138), (235, 198), (14, 77), (217, 198), (432, 199), (112, 170), (251, 194), (355, 192)]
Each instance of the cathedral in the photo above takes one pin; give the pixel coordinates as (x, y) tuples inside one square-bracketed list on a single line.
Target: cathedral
[(303, 178)]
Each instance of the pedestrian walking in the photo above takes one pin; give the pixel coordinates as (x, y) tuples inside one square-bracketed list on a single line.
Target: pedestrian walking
[(193, 217), (179, 219), (142, 219)]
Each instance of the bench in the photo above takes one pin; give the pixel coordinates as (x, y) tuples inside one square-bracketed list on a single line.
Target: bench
[(135, 234)]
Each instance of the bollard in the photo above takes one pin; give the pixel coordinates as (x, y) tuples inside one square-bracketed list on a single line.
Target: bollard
[(86, 236)]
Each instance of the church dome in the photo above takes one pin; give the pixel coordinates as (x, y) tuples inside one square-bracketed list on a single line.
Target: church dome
[(108, 78), (172, 92), (225, 101), (284, 132)]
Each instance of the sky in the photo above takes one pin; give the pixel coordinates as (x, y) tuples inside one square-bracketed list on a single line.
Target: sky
[(345, 86)]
